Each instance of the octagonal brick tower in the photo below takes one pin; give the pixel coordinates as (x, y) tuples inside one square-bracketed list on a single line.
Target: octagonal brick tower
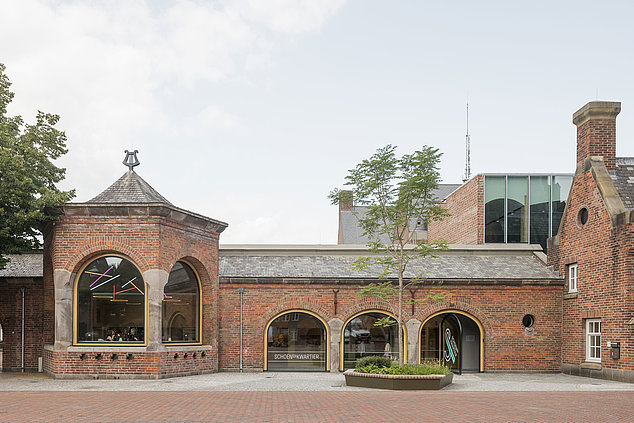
[(129, 225)]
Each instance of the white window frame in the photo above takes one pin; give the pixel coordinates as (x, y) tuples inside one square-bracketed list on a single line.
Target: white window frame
[(573, 277), (593, 340)]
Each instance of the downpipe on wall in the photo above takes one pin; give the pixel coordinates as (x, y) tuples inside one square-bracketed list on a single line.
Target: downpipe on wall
[(23, 289), (241, 291)]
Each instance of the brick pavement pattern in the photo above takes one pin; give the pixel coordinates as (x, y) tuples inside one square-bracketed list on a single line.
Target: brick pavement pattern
[(360, 406)]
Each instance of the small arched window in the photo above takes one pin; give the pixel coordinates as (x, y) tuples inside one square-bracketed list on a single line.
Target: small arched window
[(181, 306), (110, 303)]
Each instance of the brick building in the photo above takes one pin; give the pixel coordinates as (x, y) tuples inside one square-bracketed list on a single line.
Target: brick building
[(594, 250), (129, 285)]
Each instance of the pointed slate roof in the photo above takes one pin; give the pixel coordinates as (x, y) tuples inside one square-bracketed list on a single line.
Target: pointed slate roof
[(130, 188)]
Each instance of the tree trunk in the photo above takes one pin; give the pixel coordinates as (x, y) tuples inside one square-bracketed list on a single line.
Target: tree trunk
[(401, 346)]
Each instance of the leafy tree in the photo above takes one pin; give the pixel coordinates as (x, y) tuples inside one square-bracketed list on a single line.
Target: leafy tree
[(28, 194), (395, 192)]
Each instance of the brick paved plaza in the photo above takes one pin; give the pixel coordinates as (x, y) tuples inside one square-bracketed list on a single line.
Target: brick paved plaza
[(359, 406)]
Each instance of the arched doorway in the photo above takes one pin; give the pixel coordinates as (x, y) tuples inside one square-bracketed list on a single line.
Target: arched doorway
[(360, 338), (296, 340), (455, 339)]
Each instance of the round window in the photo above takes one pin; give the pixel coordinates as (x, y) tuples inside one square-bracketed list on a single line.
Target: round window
[(528, 320), (583, 216)]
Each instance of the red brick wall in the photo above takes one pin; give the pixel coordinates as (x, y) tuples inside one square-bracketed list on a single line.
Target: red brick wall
[(11, 321), (597, 137), (605, 258), (499, 308), (176, 362), (466, 223), (152, 243)]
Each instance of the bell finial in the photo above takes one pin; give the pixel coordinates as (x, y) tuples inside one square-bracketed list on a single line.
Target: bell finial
[(131, 159)]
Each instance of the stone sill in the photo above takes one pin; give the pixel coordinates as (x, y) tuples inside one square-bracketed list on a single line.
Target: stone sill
[(570, 295), (131, 348), (590, 365)]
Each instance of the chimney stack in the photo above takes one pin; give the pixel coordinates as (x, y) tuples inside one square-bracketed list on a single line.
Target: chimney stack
[(596, 131)]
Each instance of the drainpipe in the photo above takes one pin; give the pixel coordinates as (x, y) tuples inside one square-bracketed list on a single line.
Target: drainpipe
[(241, 291), (23, 289)]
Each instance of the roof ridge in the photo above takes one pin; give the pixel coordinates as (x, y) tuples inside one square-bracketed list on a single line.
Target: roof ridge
[(129, 188)]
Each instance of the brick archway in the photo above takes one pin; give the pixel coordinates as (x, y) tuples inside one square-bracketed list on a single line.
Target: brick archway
[(97, 247)]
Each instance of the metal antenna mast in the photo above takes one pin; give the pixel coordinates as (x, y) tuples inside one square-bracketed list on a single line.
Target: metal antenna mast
[(467, 167)]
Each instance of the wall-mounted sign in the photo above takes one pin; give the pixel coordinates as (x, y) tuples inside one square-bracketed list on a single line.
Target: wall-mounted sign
[(296, 356)]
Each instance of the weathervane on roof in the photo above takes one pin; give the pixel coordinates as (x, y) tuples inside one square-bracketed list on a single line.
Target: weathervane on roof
[(131, 159)]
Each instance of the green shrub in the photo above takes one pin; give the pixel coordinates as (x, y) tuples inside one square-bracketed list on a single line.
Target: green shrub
[(374, 360), (427, 368)]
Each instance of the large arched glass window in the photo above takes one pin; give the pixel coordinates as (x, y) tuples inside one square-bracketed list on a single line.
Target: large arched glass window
[(181, 306), (296, 341), (361, 338), (110, 302)]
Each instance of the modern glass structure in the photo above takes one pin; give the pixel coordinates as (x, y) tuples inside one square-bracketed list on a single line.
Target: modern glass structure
[(524, 208)]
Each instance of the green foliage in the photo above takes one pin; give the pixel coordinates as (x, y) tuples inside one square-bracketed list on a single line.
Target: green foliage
[(427, 368), (373, 360), (28, 195), (395, 191)]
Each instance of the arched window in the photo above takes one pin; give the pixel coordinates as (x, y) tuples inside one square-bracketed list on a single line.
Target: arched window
[(181, 306), (361, 338), (110, 303), (296, 340)]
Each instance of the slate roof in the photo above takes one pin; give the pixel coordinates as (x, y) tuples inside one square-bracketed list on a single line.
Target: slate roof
[(623, 178), (353, 234), (505, 267), (130, 188), (23, 266)]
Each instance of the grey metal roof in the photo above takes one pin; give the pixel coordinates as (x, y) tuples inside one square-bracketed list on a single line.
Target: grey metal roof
[(353, 234), (130, 188), (23, 266), (623, 178), (443, 190), (507, 267)]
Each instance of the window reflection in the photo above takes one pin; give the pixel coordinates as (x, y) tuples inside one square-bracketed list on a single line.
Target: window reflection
[(561, 188), (517, 209), (523, 209), (540, 210), (110, 302), (494, 195), (361, 338), (181, 306), (296, 341)]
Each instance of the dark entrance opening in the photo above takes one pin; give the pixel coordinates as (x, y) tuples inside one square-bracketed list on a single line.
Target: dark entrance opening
[(452, 339)]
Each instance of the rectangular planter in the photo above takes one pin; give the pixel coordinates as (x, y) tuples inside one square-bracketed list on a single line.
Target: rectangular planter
[(397, 382)]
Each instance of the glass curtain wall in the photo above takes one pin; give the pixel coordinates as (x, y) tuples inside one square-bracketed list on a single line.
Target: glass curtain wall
[(524, 209), (517, 209), (560, 189), (540, 210), (494, 211)]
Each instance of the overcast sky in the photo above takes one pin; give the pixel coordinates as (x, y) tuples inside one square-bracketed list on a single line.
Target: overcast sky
[(251, 111)]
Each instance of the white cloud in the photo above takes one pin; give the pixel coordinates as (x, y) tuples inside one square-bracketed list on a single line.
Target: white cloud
[(112, 68), (287, 16)]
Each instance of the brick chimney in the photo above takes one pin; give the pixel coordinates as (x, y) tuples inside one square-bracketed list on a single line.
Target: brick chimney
[(596, 131)]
